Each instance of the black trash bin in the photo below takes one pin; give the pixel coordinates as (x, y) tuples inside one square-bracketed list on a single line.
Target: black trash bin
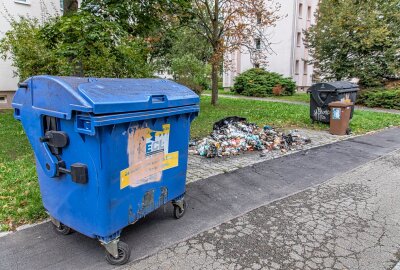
[(324, 93)]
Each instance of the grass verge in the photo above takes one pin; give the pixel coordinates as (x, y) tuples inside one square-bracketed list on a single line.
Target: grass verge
[(299, 97), (280, 115), (20, 200)]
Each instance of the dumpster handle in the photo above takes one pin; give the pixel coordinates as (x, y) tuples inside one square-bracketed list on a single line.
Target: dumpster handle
[(48, 161), (158, 99)]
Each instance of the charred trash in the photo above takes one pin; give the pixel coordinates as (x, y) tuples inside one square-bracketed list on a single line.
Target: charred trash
[(235, 135)]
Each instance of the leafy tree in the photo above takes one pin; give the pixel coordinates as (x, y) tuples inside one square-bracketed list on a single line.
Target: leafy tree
[(138, 17), (27, 50), (75, 44), (187, 41), (186, 54), (190, 71), (354, 38), (233, 25)]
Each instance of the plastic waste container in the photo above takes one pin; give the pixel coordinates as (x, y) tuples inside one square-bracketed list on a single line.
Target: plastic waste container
[(108, 151), (340, 117), (324, 93)]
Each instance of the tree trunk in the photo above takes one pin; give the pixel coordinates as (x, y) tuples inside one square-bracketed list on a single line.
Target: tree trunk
[(69, 6), (214, 83)]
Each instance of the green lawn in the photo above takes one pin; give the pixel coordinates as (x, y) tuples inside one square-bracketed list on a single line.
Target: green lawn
[(20, 200), (280, 115), (300, 97)]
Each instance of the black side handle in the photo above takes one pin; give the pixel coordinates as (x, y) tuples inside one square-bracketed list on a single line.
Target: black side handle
[(78, 172), (57, 139)]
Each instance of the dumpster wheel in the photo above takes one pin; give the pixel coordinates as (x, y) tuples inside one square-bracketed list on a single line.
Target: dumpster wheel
[(124, 252), (179, 208), (62, 229)]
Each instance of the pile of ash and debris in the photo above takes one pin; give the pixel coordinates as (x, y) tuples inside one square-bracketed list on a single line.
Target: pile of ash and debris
[(234, 135)]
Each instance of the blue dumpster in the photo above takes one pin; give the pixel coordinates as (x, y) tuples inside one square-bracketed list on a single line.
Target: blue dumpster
[(108, 151)]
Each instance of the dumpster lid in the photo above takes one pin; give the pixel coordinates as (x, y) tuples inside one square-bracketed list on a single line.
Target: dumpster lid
[(334, 86), (105, 95)]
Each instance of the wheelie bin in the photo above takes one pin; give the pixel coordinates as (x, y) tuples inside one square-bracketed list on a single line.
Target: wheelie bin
[(321, 94), (108, 151)]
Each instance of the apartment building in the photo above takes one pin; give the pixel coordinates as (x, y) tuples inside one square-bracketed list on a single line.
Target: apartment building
[(33, 8), (289, 55)]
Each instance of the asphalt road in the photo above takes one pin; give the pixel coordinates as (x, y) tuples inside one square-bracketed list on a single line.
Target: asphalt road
[(349, 222), (212, 202)]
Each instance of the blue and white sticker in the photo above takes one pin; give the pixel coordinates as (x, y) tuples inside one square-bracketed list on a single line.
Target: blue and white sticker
[(336, 112)]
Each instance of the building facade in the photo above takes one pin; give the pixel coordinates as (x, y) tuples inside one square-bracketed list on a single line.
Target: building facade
[(289, 56), (40, 9)]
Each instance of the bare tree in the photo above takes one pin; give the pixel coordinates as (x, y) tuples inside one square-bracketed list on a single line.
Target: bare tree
[(231, 25)]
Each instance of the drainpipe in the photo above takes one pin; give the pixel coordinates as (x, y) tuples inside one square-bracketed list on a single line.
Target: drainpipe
[(294, 34)]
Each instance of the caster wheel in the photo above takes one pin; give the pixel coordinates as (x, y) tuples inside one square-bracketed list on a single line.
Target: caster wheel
[(178, 211), (124, 253), (62, 229)]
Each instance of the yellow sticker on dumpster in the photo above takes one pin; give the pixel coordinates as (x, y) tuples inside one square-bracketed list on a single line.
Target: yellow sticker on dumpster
[(148, 156)]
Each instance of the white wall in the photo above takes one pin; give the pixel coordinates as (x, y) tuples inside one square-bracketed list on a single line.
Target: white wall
[(284, 45), (304, 20), (32, 8)]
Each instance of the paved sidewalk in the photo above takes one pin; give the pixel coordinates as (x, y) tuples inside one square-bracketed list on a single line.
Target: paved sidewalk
[(361, 108), (212, 201), (202, 167), (351, 222)]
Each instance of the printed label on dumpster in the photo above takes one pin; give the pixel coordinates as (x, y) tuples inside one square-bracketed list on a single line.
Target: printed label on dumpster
[(148, 156)]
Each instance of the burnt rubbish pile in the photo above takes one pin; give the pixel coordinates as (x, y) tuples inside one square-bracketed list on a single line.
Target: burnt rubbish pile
[(234, 135)]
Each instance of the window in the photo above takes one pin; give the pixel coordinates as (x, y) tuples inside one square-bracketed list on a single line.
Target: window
[(298, 39), (305, 68), (258, 43), (62, 5), (300, 10), (3, 99), (296, 68), (259, 17), (309, 13)]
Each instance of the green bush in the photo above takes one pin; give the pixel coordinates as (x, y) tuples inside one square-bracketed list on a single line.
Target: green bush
[(191, 72), (257, 82), (79, 44), (388, 99)]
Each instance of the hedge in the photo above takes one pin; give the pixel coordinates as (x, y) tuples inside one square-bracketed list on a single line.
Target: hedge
[(257, 82), (388, 99)]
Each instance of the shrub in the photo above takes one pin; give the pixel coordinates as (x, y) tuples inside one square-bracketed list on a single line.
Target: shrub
[(260, 83), (388, 99), (191, 72), (76, 44)]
